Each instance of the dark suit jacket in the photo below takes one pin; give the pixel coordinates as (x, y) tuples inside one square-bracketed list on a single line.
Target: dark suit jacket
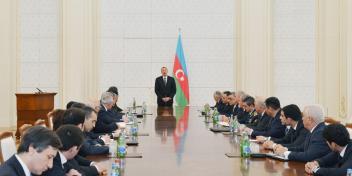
[(11, 167), (58, 168), (116, 109), (92, 147), (106, 122), (260, 123), (83, 166), (334, 164), (275, 128), (293, 137), (226, 110), (162, 90), (314, 146), (245, 117)]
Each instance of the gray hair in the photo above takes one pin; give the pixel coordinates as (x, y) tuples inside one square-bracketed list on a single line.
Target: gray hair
[(107, 98), (316, 112), (260, 101), (244, 96), (240, 93), (217, 93)]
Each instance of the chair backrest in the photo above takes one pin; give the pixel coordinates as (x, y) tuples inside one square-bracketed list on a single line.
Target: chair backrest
[(7, 146), (349, 128), (40, 122), (330, 120), (50, 122), (24, 128)]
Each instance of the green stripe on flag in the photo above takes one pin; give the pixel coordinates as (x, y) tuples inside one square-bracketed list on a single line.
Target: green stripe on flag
[(180, 96)]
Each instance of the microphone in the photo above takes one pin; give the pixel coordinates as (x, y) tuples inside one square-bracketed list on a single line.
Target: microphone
[(39, 91)]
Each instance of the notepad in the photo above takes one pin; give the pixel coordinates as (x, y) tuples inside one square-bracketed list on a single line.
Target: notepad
[(233, 155), (130, 143), (224, 124), (278, 157), (220, 129)]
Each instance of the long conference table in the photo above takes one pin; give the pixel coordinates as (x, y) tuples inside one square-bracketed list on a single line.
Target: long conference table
[(180, 143)]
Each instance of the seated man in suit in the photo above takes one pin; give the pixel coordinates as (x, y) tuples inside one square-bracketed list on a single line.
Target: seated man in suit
[(261, 120), (238, 109), (217, 98), (314, 146), (94, 144), (76, 117), (71, 138), (232, 101), (340, 159), (225, 107), (274, 128), (115, 93), (249, 110), (290, 115), (36, 151), (107, 121)]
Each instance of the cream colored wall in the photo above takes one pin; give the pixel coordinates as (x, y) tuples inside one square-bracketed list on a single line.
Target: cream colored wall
[(80, 48), (349, 58), (8, 43), (79, 52), (332, 56), (254, 60)]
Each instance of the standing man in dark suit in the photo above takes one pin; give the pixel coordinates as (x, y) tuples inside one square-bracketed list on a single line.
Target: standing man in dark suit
[(165, 88), (34, 155), (340, 159), (314, 145)]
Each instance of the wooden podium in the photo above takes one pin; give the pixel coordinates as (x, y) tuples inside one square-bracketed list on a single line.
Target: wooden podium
[(33, 106)]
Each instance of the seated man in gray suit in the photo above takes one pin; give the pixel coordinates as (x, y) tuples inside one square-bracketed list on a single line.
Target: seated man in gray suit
[(36, 152), (314, 145), (340, 159)]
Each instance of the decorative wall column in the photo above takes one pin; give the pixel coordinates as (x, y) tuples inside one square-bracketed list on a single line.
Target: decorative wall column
[(254, 47), (80, 49), (349, 57), (8, 47), (331, 56)]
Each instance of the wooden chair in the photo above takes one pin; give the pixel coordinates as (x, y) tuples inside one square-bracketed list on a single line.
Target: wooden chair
[(40, 122), (24, 128), (50, 122), (348, 125), (349, 128), (7, 146), (330, 120)]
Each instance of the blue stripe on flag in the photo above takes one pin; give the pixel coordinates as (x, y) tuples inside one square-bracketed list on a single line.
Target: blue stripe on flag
[(181, 57)]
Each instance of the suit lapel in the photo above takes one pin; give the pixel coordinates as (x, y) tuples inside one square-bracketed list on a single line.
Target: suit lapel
[(347, 154)]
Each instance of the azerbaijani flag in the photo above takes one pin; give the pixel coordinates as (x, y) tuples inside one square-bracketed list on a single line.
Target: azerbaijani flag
[(181, 76)]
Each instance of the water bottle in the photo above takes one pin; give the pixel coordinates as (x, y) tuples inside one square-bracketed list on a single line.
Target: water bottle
[(115, 169), (122, 165), (134, 127), (215, 116), (144, 108), (231, 122), (121, 145), (349, 172), (235, 125), (245, 147), (134, 105), (112, 148)]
